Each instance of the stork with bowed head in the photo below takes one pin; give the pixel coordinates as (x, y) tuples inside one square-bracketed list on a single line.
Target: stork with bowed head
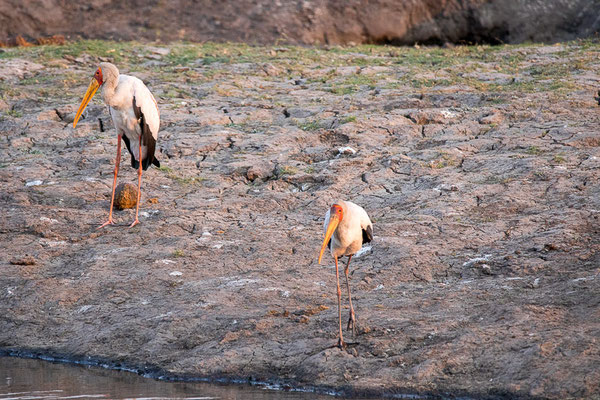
[(136, 118), (347, 227)]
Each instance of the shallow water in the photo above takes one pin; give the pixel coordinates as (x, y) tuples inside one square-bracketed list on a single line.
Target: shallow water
[(29, 379)]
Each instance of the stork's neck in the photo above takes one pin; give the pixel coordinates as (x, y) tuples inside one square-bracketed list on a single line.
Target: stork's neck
[(108, 91)]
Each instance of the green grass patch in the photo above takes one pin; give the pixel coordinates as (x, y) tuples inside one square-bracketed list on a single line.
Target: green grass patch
[(533, 150), (309, 125), (287, 170)]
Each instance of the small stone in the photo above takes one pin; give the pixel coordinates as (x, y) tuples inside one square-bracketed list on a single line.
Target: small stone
[(271, 70), (347, 71), (159, 50), (492, 119), (26, 260), (34, 183), (259, 171), (125, 196), (346, 150), (48, 115), (486, 269)]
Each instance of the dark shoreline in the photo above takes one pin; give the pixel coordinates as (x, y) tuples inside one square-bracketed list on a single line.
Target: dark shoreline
[(157, 373)]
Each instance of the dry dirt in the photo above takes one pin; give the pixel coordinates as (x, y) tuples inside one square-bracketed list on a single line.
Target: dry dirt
[(478, 165)]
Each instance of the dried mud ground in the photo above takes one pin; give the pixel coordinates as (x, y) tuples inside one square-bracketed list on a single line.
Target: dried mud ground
[(478, 165)]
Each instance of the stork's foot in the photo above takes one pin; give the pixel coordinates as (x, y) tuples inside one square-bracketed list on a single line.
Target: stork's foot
[(109, 222), (352, 324), (341, 344), (134, 223)]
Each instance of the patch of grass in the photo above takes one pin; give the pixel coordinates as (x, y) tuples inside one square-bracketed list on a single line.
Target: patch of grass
[(348, 119), (14, 113), (178, 253), (352, 84), (534, 151), (182, 55), (559, 158), (343, 90), (189, 180), (540, 176), (309, 125), (495, 180), (445, 160), (287, 170), (496, 100), (117, 52), (177, 92)]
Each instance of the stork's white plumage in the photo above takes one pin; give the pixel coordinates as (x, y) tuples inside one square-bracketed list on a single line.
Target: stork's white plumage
[(136, 118), (347, 227)]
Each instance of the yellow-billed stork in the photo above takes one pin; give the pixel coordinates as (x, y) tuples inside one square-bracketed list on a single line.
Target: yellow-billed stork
[(136, 118), (347, 227)]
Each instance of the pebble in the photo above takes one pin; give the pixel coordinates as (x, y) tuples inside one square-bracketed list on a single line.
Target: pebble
[(34, 183)]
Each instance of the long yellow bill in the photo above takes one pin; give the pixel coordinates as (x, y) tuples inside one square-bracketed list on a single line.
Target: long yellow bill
[(334, 221), (91, 91)]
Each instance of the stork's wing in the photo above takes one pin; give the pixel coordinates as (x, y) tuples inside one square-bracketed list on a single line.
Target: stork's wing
[(367, 234), (146, 112)]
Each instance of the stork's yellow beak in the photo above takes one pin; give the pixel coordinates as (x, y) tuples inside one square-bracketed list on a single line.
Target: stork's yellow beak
[(334, 221), (91, 91)]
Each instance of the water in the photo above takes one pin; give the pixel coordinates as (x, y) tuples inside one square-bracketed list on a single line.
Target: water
[(28, 379)]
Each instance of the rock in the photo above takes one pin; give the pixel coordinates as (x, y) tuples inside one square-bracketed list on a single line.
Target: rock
[(26, 260), (17, 68), (262, 171), (347, 71), (36, 182), (492, 119), (48, 115), (346, 150), (125, 196), (271, 70), (374, 70), (159, 50), (486, 269)]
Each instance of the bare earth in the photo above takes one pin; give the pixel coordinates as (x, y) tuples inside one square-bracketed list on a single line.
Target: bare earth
[(478, 165)]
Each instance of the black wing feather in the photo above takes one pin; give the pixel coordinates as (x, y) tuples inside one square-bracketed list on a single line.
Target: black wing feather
[(134, 163), (147, 140), (367, 234)]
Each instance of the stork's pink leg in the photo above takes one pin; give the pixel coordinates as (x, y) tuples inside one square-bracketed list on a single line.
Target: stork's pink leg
[(112, 199), (341, 343), (352, 319), (137, 207)]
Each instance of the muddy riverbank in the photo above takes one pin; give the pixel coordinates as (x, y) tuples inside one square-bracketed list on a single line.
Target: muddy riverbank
[(478, 165)]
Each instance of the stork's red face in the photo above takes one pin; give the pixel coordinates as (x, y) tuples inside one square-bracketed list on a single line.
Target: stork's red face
[(98, 76), (91, 91), (336, 214)]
